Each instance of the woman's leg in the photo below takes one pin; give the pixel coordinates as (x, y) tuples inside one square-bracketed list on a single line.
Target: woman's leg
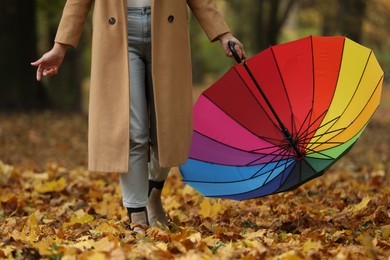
[(157, 174), (134, 183)]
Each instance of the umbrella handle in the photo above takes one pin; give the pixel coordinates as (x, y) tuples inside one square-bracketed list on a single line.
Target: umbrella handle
[(231, 45)]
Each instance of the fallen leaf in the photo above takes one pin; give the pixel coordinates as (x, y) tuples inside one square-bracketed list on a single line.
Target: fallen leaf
[(311, 245), (85, 218), (209, 209), (290, 255), (385, 232), (52, 186), (106, 228), (5, 173), (362, 205)]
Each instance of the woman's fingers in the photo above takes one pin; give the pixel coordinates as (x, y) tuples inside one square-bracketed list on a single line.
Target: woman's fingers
[(240, 51), (39, 72), (47, 72)]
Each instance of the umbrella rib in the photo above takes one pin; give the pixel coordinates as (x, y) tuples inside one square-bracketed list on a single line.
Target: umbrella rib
[(239, 149), (227, 114), (303, 133), (325, 155), (315, 144), (354, 93), (283, 155), (281, 180), (266, 180), (325, 143), (284, 130), (285, 90), (338, 77), (341, 129), (310, 125), (235, 181), (314, 87), (235, 194), (254, 97), (265, 155), (262, 155), (324, 134), (327, 123)]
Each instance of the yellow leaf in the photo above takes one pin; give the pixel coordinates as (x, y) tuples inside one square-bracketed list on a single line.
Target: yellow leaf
[(94, 255), (195, 238), (311, 245), (205, 208), (290, 255), (105, 245), (86, 218), (209, 210), (210, 240), (84, 244), (189, 190), (5, 173), (44, 247), (52, 186), (162, 245), (259, 233), (106, 228), (7, 250), (362, 205), (171, 202), (385, 232), (31, 229)]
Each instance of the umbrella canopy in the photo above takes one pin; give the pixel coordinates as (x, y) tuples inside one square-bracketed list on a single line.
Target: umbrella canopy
[(282, 117)]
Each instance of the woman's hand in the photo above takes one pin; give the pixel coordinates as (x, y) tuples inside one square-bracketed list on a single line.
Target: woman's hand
[(51, 61), (225, 38)]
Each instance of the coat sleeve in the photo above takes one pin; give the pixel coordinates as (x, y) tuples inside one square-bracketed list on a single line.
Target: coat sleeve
[(209, 18), (72, 22)]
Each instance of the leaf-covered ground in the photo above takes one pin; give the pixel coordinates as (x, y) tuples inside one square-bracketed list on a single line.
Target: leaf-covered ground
[(52, 207)]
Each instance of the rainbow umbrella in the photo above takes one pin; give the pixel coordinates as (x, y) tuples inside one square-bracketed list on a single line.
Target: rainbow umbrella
[(282, 117)]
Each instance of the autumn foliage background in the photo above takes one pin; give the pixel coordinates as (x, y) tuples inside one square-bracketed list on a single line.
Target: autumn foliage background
[(52, 207)]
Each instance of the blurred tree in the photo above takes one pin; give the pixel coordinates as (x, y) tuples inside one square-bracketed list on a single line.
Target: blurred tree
[(256, 23), (376, 24), (352, 14), (64, 89), (338, 17), (259, 22), (208, 60), (18, 87), (29, 28)]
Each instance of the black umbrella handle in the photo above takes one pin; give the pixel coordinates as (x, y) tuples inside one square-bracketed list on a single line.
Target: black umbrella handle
[(231, 45)]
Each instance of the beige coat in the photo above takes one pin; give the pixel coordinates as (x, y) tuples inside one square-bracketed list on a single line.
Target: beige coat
[(172, 80)]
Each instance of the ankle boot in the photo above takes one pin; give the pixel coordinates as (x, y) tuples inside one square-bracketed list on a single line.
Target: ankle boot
[(156, 213), (138, 217)]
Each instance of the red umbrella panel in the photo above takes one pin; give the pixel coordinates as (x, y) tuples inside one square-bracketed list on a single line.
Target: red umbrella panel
[(282, 117)]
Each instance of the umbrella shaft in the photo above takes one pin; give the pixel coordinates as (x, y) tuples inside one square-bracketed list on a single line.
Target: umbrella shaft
[(285, 131)]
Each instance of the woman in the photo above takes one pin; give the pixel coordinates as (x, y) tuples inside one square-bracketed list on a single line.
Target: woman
[(143, 44)]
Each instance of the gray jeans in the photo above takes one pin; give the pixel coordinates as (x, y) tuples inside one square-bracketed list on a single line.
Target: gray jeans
[(143, 161)]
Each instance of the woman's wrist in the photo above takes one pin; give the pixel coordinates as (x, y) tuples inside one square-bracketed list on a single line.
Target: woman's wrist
[(60, 48), (225, 37)]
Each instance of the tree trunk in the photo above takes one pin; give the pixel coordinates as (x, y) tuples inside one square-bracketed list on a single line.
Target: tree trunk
[(18, 88), (352, 14), (269, 20)]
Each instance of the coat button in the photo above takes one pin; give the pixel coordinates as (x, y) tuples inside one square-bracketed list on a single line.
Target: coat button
[(112, 20), (171, 18)]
